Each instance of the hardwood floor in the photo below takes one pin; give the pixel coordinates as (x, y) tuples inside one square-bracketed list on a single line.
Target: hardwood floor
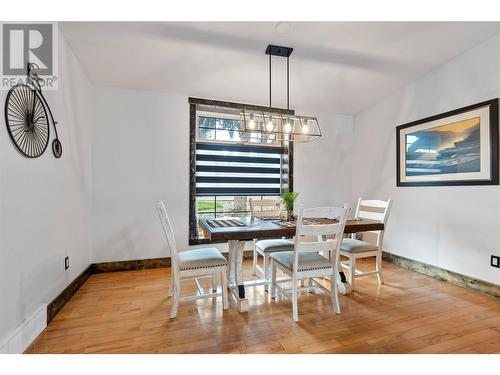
[(127, 312)]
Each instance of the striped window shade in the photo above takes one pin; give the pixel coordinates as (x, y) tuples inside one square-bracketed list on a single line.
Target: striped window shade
[(238, 170)]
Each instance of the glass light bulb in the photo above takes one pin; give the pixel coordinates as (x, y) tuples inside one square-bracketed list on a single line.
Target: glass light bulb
[(269, 126), (251, 124), (288, 127), (305, 128)]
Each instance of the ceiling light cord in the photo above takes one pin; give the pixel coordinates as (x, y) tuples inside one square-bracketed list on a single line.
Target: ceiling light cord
[(288, 82), (270, 82)]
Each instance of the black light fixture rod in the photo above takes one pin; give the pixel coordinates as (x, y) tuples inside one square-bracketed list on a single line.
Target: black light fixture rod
[(288, 82), (270, 82)]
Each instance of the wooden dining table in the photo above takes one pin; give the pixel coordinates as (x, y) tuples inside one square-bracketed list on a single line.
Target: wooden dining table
[(237, 230)]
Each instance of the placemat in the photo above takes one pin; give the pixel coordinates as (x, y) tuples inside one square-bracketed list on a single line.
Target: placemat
[(225, 223)]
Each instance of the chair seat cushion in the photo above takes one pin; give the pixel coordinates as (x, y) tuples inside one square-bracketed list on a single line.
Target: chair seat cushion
[(271, 246), (201, 258), (350, 245), (307, 261)]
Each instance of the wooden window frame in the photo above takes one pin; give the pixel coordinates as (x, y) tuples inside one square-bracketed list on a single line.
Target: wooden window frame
[(193, 103)]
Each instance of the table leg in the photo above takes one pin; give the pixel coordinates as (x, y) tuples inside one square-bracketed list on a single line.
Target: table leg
[(236, 266), (230, 267)]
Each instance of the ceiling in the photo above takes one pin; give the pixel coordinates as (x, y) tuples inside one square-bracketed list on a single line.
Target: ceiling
[(336, 67)]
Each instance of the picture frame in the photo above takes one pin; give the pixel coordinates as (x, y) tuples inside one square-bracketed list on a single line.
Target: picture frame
[(454, 148)]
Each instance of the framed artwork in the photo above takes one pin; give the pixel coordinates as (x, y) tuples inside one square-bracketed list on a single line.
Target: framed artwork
[(459, 147)]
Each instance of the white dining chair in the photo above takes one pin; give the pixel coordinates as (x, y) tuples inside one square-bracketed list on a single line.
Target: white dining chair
[(267, 208), (305, 262), (353, 249), (194, 265)]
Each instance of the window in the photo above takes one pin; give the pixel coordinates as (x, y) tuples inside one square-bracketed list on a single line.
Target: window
[(218, 129), (225, 128), (225, 172)]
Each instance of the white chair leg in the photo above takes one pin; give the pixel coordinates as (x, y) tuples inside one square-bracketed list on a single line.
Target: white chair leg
[(379, 268), (225, 303), (294, 301), (176, 295), (254, 260), (352, 272), (171, 285), (267, 272), (273, 279), (214, 281), (335, 294), (310, 284)]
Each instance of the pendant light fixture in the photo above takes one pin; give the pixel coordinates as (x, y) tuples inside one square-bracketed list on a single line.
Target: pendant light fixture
[(256, 125)]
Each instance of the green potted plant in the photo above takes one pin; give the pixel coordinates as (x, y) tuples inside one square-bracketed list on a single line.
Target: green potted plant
[(288, 198)]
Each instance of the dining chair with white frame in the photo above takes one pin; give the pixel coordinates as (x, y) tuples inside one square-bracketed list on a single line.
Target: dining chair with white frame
[(353, 249), (267, 208), (193, 265), (305, 262)]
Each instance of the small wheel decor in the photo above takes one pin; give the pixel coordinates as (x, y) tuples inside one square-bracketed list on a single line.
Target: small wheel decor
[(28, 117)]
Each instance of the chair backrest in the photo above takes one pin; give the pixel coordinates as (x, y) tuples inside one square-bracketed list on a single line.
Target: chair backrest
[(328, 235), (265, 207), (375, 210), (169, 233)]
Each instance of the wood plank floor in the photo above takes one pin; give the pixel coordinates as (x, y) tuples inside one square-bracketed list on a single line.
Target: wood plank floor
[(127, 312)]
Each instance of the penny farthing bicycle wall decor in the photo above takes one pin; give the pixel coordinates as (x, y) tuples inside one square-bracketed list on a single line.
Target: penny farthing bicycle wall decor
[(26, 117)]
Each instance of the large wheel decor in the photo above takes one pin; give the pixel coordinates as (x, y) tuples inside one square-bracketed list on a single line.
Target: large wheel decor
[(27, 121)]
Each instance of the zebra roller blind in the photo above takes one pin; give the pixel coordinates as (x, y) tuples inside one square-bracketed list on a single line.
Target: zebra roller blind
[(237, 170)]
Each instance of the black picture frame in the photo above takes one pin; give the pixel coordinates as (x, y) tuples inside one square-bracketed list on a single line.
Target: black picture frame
[(493, 143)]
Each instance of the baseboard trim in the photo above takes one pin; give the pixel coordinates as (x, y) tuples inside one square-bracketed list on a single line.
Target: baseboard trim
[(131, 265), (143, 264), (22, 337), (451, 277), (58, 303)]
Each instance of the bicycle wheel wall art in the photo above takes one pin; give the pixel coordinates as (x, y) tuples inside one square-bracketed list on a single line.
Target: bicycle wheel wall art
[(28, 117)]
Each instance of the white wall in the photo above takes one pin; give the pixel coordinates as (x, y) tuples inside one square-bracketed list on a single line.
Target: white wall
[(322, 168), (141, 154), (45, 203), (456, 228)]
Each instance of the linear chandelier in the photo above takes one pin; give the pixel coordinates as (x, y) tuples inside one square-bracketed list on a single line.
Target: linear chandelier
[(282, 127)]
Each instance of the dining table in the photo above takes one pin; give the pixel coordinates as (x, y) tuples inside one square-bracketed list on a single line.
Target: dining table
[(237, 230)]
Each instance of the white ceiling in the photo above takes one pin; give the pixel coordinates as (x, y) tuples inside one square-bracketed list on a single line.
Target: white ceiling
[(339, 67)]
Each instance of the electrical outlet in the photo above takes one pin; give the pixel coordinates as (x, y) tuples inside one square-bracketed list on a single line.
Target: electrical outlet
[(66, 263), (495, 261)]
